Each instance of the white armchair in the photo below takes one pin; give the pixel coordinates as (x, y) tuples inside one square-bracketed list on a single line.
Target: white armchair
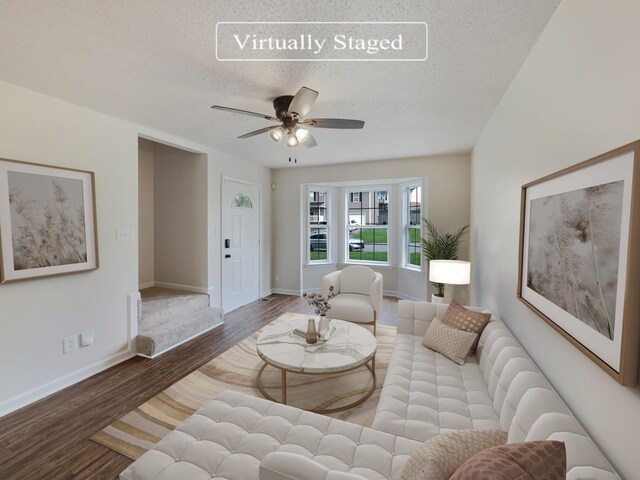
[(358, 292)]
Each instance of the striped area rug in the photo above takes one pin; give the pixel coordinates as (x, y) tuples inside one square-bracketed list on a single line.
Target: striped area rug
[(236, 369)]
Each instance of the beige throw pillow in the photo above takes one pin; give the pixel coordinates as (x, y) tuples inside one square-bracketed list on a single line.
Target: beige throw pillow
[(453, 344), (439, 457), (460, 318)]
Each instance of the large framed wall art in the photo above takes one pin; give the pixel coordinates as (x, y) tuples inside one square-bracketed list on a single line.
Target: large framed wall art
[(579, 260), (47, 220)]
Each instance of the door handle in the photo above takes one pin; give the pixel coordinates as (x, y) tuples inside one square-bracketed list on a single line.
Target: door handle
[(227, 256)]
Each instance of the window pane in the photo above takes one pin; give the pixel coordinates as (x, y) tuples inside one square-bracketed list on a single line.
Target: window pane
[(318, 208), (372, 208), (318, 241), (413, 255), (413, 247), (368, 244)]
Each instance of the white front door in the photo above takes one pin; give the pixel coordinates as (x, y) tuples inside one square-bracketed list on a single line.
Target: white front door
[(240, 244)]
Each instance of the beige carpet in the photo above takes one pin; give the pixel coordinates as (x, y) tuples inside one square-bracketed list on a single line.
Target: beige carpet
[(236, 369)]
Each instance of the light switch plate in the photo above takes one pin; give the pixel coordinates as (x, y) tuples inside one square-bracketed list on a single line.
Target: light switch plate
[(125, 234)]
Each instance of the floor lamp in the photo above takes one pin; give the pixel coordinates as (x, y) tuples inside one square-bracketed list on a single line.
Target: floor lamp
[(449, 272)]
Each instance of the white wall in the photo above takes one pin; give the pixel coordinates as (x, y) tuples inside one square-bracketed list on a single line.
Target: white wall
[(576, 96), (447, 183), (146, 250), (180, 217), (35, 315)]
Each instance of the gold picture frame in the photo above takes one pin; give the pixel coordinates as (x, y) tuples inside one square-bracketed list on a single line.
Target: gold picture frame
[(578, 262), (48, 222)]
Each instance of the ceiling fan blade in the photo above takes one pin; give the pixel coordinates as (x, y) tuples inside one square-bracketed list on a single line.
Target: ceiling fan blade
[(310, 142), (245, 112), (334, 123), (303, 101), (256, 132)]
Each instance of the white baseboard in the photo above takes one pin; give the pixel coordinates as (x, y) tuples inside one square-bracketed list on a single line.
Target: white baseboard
[(157, 354), (284, 291), (58, 384), (402, 296), (142, 286), (266, 293), (312, 290), (178, 286)]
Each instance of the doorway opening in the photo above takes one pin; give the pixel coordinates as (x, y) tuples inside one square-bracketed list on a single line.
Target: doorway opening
[(172, 248)]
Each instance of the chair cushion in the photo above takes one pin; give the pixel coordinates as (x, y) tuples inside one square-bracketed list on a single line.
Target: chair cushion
[(357, 279), (425, 393), (352, 307), (228, 438)]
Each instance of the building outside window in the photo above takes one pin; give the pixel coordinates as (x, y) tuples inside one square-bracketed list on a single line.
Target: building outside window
[(367, 221), (412, 214), (318, 226)]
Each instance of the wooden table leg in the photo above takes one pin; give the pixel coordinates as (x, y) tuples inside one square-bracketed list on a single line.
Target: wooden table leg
[(373, 365), (284, 387)]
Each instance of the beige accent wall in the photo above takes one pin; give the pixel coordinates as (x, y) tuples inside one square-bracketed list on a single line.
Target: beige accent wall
[(180, 217), (576, 96), (146, 248), (447, 183)]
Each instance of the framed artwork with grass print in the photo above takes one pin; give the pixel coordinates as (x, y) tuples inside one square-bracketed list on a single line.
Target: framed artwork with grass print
[(47, 220), (579, 261)]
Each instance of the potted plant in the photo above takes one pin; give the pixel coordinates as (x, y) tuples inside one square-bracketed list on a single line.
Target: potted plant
[(440, 247)]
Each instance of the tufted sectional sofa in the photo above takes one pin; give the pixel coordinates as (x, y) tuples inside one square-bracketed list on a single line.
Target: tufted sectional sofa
[(239, 437)]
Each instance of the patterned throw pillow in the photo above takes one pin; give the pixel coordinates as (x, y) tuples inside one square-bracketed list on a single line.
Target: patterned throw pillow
[(453, 344), (460, 318), (439, 457), (525, 461)]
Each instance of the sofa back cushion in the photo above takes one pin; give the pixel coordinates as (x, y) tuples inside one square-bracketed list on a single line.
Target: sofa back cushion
[(357, 279), (528, 407)]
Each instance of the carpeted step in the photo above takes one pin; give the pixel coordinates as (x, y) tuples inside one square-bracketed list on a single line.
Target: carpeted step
[(162, 306), (160, 337)]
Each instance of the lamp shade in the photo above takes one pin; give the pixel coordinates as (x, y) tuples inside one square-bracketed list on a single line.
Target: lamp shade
[(453, 272)]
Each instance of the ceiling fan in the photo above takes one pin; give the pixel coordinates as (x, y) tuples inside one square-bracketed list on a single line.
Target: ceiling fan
[(290, 112)]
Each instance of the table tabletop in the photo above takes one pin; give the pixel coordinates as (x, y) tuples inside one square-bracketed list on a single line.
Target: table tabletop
[(349, 346)]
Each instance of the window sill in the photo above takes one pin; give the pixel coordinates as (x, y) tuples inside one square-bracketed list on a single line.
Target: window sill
[(374, 264), (412, 269), (320, 264)]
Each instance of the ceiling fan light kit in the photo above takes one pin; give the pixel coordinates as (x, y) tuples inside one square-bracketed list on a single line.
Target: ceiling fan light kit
[(276, 134), (290, 111)]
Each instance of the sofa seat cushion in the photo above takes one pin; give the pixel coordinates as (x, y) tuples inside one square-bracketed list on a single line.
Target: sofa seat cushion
[(426, 394), (228, 438), (352, 307)]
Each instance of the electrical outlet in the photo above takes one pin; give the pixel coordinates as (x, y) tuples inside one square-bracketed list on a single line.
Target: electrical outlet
[(86, 338), (70, 344)]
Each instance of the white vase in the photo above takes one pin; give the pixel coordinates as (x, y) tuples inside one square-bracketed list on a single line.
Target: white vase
[(324, 327), (436, 299)]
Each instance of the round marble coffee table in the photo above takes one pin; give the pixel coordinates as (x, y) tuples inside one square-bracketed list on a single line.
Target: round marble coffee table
[(350, 346)]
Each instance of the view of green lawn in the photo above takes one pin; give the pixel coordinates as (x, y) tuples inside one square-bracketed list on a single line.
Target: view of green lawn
[(414, 234), (414, 258), (370, 235), (315, 256), (368, 256)]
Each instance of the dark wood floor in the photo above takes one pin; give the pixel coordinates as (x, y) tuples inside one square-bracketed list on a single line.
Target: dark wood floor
[(49, 439)]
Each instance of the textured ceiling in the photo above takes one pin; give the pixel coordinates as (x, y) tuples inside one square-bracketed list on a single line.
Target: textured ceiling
[(153, 62)]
